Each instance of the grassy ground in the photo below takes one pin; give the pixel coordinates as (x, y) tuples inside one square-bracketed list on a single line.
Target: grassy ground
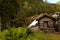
[(52, 36), (27, 34)]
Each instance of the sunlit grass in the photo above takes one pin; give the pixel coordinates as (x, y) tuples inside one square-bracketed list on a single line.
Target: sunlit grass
[(22, 33), (52, 36)]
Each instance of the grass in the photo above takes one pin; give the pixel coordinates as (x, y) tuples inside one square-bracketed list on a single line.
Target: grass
[(52, 36), (21, 33), (27, 34)]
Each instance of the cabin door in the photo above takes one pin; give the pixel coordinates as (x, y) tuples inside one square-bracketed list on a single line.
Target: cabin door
[(45, 24)]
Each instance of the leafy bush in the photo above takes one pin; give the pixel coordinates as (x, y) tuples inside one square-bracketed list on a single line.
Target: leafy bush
[(57, 26), (20, 33)]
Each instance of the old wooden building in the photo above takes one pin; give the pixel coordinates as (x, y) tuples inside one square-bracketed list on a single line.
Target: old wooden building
[(46, 22)]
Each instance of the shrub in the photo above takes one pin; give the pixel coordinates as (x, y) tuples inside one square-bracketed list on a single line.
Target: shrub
[(20, 33), (57, 27)]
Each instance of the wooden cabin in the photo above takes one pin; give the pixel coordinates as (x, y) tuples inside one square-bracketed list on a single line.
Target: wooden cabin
[(46, 22)]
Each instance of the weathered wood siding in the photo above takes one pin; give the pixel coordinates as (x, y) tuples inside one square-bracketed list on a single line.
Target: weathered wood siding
[(50, 22)]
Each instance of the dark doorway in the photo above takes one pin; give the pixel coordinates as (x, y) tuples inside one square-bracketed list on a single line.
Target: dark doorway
[(45, 24), (56, 28)]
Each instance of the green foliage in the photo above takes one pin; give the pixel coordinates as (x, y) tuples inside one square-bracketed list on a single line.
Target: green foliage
[(58, 8), (20, 34), (14, 11), (9, 9), (57, 26)]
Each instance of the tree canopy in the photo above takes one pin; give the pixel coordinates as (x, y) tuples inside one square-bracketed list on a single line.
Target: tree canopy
[(13, 12)]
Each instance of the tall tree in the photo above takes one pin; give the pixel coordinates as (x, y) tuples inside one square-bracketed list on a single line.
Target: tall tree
[(9, 11)]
